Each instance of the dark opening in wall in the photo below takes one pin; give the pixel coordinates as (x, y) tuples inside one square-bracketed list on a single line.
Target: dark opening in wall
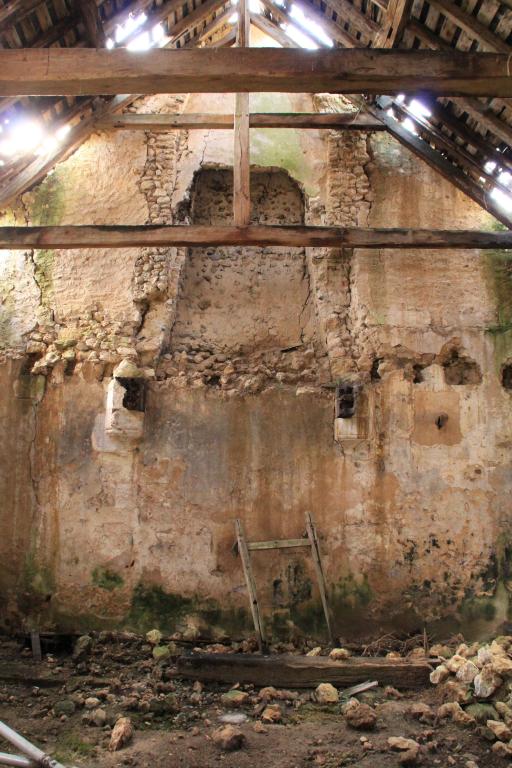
[(506, 376), (345, 404), (135, 396), (461, 370), (417, 373), (374, 372)]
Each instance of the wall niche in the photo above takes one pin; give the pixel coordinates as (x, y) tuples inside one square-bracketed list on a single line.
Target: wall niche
[(236, 300)]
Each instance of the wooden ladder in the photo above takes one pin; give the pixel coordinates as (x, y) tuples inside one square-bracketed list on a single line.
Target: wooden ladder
[(245, 548)]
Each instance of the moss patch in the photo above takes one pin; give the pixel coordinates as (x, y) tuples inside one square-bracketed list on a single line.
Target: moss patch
[(46, 205), (43, 274), (7, 308), (153, 607), (70, 746), (498, 271), (107, 579)]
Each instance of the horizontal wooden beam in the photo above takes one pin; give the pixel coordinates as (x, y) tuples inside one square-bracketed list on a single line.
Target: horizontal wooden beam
[(121, 236), (87, 71), (278, 544), (187, 122), (302, 671)]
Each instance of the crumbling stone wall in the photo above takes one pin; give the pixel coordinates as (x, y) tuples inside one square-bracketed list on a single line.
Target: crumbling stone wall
[(114, 519)]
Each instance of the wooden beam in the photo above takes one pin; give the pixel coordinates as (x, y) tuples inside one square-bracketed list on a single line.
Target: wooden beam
[(302, 671), (345, 11), (448, 170), (62, 71), (443, 142), (475, 108), (241, 156), (155, 235), (39, 167), (15, 11), (330, 27), (471, 26), (269, 28), (195, 18), (210, 28), (186, 122), (395, 20), (442, 115), (92, 22)]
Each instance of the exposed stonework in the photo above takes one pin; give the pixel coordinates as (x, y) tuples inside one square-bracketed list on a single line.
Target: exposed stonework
[(240, 351)]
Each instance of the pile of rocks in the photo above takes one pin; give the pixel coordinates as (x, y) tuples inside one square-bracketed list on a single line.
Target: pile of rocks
[(475, 682), (251, 373), (86, 337)]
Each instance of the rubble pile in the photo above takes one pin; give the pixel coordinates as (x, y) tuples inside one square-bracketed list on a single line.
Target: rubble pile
[(475, 684), (115, 690)]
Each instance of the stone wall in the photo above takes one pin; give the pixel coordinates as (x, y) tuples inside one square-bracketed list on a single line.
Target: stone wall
[(152, 396)]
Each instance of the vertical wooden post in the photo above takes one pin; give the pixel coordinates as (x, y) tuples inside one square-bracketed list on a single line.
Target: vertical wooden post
[(241, 158), (317, 560), (251, 585)]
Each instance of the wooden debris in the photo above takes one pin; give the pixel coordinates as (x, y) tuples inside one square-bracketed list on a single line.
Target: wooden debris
[(301, 671)]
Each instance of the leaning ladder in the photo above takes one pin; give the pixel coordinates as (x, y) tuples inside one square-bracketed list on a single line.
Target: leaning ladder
[(245, 548)]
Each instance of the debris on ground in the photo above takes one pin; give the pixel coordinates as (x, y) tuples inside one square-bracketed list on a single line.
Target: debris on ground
[(122, 734), (228, 738), (111, 703)]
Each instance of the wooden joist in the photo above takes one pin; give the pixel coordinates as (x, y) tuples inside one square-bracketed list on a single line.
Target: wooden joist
[(156, 235), (471, 26), (187, 122), (439, 163), (302, 671), (74, 71)]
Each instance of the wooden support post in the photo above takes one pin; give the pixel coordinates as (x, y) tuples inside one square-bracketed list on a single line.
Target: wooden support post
[(251, 585), (317, 561), (241, 157), (35, 642)]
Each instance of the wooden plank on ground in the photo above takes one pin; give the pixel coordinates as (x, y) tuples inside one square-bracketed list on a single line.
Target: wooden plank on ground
[(192, 121), (156, 235), (86, 71), (302, 671)]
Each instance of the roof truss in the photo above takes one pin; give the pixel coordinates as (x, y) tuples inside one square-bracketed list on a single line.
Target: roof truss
[(461, 136)]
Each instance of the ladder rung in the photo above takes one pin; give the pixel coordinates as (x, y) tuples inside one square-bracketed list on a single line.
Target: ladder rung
[(275, 544)]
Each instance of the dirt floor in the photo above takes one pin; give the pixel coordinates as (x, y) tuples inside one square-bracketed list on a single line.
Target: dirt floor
[(68, 707)]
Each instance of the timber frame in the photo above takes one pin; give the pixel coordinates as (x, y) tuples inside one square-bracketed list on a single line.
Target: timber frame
[(373, 54)]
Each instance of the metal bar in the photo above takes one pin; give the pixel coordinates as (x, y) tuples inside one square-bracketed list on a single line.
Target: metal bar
[(34, 753), (16, 760)]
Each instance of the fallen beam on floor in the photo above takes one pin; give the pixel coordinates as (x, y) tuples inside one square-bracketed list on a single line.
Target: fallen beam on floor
[(126, 236), (302, 671), (89, 71), (188, 122)]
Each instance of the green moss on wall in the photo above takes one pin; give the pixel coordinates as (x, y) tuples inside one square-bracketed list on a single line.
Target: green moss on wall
[(498, 271), (153, 607), (46, 206), (43, 274), (280, 147), (106, 579), (7, 307)]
